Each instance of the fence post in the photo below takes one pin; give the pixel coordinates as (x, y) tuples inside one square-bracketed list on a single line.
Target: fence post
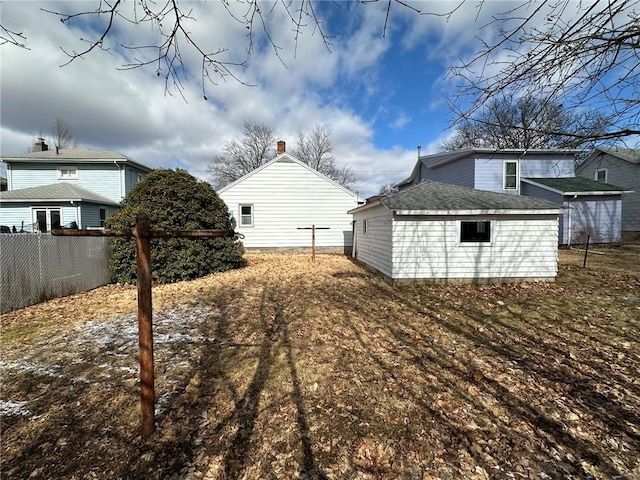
[(145, 325)]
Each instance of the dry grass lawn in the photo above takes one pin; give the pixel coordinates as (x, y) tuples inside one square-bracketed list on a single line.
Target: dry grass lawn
[(293, 369)]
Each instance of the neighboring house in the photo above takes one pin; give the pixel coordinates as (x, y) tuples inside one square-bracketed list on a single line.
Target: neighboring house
[(511, 172), (75, 186), (592, 209), (619, 166), (275, 206), (435, 232), (490, 169)]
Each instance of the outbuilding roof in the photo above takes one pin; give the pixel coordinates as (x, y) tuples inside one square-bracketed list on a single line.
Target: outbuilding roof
[(429, 197), (57, 192), (576, 186)]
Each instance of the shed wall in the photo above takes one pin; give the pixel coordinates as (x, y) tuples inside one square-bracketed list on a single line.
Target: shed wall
[(429, 248), (374, 247)]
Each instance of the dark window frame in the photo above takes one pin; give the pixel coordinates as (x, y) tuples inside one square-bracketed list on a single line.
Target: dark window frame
[(475, 231)]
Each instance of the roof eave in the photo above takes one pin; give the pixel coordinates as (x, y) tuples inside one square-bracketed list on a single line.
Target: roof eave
[(488, 211)]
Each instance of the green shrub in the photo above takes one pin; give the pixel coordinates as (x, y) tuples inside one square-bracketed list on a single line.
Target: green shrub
[(174, 200)]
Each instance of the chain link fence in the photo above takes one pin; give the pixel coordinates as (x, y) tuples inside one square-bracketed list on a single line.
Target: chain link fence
[(38, 267)]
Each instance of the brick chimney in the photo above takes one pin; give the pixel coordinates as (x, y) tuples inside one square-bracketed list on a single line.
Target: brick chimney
[(41, 146), (282, 147)]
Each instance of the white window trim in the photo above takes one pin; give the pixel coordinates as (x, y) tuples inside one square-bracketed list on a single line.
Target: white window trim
[(489, 244), (48, 210), (240, 214), (74, 176), (606, 174), (504, 174), (364, 226)]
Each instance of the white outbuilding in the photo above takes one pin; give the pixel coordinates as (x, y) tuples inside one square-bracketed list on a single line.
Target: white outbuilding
[(441, 233), (276, 205)]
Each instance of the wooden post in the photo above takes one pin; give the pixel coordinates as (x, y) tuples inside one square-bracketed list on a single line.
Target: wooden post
[(313, 243), (586, 251), (143, 235), (145, 325)]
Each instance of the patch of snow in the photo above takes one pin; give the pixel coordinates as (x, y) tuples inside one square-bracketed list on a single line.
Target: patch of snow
[(14, 409)]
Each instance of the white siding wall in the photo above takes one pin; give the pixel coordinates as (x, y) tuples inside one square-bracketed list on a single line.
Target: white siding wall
[(599, 217), (285, 196), (429, 248), (374, 247)]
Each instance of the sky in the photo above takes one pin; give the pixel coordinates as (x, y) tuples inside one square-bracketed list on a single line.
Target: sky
[(380, 93)]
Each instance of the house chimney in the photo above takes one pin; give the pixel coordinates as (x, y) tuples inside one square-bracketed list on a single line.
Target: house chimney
[(41, 146), (282, 147), (419, 148)]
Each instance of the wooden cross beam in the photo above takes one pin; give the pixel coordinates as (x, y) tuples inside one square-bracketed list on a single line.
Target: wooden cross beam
[(313, 229), (143, 235)]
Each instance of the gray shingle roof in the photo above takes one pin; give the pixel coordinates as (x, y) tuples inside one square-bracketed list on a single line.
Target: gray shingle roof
[(429, 195), (73, 155), (575, 185), (631, 155), (62, 192)]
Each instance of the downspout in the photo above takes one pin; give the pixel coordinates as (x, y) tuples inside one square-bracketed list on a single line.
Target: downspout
[(120, 180)]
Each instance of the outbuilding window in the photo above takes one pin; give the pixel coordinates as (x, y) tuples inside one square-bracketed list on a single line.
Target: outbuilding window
[(475, 232), (246, 215)]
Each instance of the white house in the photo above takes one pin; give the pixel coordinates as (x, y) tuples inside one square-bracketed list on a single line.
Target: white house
[(436, 232), (276, 205)]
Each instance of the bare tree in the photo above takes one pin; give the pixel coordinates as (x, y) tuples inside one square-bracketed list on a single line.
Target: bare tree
[(526, 122), (388, 189), (575, 54), (314, 148), (252, 150), (62, 134)]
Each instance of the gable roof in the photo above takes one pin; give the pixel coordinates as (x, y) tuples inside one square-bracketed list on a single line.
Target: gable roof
[(435, 198), (286, 158), (630, 155), (576, 186), (73, 155), (57, 192), (444, 158)]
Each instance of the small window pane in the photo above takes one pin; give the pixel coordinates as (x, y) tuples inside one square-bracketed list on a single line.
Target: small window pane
[(41, 220), (475, 232), (601, 176), (246, 215), (510, 175), (55, 219)]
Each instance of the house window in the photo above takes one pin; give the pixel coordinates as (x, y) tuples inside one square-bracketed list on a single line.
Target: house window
[(510, 175), (364, 226), (67, 173), (45, 219), (246, 215), (601, 175), (475, 232), (138, 178), (103, 216)]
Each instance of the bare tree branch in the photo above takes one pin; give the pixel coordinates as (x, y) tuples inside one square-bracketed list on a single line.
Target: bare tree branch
[(581, 55), (12, 38)]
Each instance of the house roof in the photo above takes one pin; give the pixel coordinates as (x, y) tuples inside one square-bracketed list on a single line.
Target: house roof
[(73, 155), (444, 158), (434, 198), (576, 186), (57, 192), (631, 155), (285, 157)]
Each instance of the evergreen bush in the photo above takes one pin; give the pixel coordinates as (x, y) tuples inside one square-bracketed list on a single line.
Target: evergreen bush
[(174, 200)]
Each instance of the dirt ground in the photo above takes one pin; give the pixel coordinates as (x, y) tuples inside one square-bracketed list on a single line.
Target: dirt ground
[(293, 369)]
